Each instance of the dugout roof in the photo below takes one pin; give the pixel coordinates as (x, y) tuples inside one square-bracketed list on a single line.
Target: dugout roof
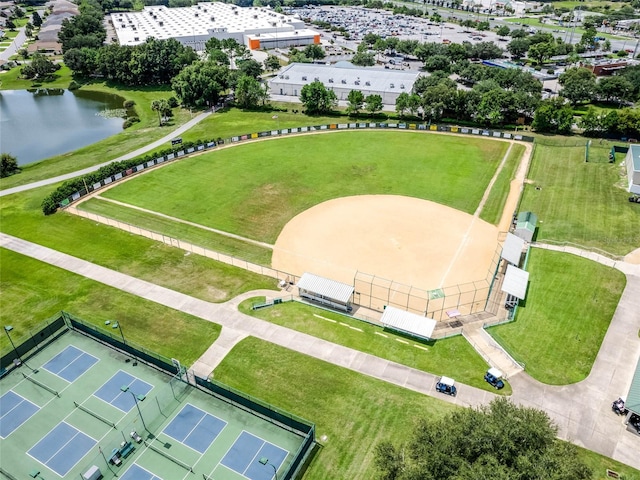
[(324, 287), (515, 282), (403, 321), (633, 398), (512, 249)]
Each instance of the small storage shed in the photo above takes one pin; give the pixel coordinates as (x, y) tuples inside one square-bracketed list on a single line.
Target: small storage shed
[(526, 224), (325, 291), (408, 322)]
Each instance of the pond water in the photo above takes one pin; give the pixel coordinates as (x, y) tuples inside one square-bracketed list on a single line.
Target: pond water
[(39, 124)]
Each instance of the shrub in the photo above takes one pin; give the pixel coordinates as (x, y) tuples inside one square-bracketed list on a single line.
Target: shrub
[(173, 102), (130, 121), (128, 103), (74, 85)]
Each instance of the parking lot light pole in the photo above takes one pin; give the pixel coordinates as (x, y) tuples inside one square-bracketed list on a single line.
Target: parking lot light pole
[(265, 461)]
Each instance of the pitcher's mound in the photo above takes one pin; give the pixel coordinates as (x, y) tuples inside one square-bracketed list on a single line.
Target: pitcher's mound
[(410, 241)]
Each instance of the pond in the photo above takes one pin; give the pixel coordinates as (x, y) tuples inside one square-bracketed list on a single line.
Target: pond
[(38, 124)]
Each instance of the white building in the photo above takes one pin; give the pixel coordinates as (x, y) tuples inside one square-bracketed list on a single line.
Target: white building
[(632, 161), (344, 77), (192, 26)]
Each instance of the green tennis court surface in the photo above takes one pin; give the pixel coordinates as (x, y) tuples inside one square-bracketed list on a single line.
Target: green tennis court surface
[(86, 407)]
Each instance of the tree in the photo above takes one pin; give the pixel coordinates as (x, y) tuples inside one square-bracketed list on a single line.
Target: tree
[(40, 67), (36, 19), (615, 89), (498, 441), (541, 51), (83, 61), (362, 59), (272, 63), (163, 109), (201, 84), (314, 52), (553, 116), (503, 31), (8, 165), (356, 102), (578, 84), (250, 68), (518, 47), (373, 103), (249, 92), (317, 99), (402, 103)]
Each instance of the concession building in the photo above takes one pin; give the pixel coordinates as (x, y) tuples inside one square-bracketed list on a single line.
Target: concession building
[(255, 27)]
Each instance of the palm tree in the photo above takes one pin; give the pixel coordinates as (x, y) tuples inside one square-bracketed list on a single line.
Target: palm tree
[(162, 107)]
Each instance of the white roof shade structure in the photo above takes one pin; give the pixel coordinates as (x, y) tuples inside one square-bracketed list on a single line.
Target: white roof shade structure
[(344, 78), (408, 322), (194, 25), (495, 372), (327, 288), (515, 282), (512, 249)]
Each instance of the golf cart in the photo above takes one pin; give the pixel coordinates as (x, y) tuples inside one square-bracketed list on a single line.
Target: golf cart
[(494, 378), (446, 386), (618, 406)]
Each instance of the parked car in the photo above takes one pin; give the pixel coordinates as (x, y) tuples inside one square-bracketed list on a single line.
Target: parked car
[(446, 386), (634, 421), (494, 378)]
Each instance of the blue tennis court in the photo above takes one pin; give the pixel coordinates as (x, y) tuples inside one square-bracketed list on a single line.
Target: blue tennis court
[(112, 393), (62, 448), (70, 363), (244, 455), (195, 428), (14, 411), (136, 472)]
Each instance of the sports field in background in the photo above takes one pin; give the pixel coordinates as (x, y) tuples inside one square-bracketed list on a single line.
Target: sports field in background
[(76, 404), (253, 190)]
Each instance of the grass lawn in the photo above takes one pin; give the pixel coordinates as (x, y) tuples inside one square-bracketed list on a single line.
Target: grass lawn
[(197, 236), (253, 190), (493, 207), (353, 411), (569, 305), (33, 291), (453, 357), (583, 203), (20, 215), (110, 148)]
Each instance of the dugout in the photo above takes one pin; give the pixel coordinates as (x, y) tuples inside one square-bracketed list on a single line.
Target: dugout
[(512, 249), (406, 322), (525, 226), (515, 285), (325, 291)]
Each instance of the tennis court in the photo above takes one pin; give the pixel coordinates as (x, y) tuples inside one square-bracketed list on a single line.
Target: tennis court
[(78, 414)]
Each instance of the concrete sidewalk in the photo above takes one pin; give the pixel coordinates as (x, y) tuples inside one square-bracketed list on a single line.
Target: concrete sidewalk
[(582, 411)]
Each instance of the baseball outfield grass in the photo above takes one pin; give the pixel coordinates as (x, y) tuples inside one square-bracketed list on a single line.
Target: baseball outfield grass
[(253, 190), (569, 305)]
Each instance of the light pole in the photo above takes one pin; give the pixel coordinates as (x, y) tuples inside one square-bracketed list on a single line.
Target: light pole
[(7, 329), (265, 461), (125, 388)]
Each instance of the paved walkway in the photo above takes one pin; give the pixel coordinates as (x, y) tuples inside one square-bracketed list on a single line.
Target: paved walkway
[(582, 411), (152, 146)]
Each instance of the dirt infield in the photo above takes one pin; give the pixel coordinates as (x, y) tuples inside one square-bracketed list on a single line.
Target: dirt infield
[(408, 240)]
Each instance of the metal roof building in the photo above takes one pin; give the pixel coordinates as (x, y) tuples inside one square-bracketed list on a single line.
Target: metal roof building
[(407, 322), (526, 224), (633, 398), (325, 291), (344, 77), (515, 282), (193, 26), (632, 161)]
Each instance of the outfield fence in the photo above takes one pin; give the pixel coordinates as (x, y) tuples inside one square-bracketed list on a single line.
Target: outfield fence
[(162, 159)]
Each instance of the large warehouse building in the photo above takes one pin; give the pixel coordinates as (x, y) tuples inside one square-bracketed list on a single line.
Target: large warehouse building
[(257, 28), (344, 77)]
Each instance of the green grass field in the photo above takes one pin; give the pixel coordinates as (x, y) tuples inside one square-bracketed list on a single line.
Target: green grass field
[(493, 207), (583, 203), (352, 412), (453, 356), (33, 291), (253, 190), (569, 305)]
